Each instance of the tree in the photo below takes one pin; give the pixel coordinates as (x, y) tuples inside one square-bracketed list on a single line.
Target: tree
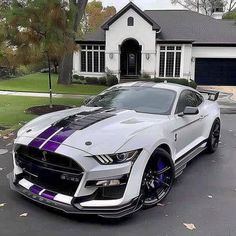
[(66, 64), (95, 15), (231, 5), (230, 15), (206, 7), (38, 29)]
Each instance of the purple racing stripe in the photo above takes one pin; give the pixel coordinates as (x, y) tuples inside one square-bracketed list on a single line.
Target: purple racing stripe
[(48, 132), (62, 135), (57, 140), (35, 189), (49, 195), (37, 142), (51, 146)]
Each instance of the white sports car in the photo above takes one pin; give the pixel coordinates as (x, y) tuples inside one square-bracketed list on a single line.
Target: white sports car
[(118, 153)]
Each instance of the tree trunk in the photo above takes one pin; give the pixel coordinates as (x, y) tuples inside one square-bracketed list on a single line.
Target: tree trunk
[(66, 65)]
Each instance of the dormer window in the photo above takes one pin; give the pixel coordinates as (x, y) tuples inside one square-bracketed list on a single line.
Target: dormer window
[(130, 21)]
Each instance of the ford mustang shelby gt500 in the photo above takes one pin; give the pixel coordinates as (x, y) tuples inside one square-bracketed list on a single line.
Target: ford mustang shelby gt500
[(119, 152)]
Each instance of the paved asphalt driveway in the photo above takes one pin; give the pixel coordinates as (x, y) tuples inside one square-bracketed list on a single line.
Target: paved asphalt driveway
[(204, 195)]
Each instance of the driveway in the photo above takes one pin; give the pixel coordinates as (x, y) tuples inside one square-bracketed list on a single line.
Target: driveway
[(205, 195)]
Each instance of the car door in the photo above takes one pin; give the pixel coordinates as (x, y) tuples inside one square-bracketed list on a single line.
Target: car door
[(188, 129)]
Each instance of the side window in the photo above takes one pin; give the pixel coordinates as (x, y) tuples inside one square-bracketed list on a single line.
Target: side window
[(199, 99), (187, 99)]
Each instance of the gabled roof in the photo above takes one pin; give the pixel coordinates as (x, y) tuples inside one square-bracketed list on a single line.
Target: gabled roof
[(178, 26), (129, 6)]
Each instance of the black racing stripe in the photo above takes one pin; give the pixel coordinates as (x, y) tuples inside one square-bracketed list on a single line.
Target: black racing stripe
[(80, 122)]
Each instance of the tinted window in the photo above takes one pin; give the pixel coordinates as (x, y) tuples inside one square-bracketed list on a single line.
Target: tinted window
[(188, 99), (140, 99), (199, 99)]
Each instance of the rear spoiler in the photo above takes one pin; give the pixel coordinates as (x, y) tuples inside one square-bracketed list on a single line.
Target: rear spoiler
[(212, 95)]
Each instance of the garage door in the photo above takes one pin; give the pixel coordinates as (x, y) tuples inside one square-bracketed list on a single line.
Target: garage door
[(215, 71)]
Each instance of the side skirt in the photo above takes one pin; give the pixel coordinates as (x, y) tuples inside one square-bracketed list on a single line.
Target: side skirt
[(181, 163)]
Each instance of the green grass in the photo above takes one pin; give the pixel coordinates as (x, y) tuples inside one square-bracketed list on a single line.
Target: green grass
[(38, 82), (12, 109)]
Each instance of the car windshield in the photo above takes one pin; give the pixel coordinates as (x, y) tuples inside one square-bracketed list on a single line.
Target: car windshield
[(141, 99)]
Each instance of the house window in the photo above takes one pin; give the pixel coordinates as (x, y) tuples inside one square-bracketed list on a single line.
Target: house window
[(93, 58), (170, 61), (130, 21)]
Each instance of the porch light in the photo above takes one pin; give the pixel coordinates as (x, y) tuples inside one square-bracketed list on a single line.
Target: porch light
[(148, 56), (111, 55)]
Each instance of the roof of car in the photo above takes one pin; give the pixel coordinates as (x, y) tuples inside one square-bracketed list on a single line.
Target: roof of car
[(172, 86)]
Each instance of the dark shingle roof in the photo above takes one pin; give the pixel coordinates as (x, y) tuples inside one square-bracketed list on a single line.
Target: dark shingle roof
[(182, 25), (188, 25)]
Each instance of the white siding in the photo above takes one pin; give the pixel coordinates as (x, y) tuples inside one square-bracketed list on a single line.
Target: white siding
[(142, 31)]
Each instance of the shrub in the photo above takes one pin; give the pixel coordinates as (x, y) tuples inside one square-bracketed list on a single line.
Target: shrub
[(23, 70), (193, 84), (180, 81), (103, 80), (112, 80), (145, 77), (79, 79), (91, 80)]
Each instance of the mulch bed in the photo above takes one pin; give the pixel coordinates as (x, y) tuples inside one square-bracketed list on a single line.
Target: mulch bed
[(41, 110), (2, 128)]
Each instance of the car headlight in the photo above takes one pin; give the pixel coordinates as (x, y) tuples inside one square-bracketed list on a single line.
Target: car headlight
[(118, 158)]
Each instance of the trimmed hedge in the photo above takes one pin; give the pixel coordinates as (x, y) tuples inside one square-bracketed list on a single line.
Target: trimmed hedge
[(108, 80), (111, 80), (180, 81), (103, 81), (91, 80)]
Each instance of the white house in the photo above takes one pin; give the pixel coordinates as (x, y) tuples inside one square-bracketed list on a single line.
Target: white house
[(161, 43)]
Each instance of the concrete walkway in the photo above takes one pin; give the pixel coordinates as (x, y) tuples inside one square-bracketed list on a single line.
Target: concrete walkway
[(42, 95)]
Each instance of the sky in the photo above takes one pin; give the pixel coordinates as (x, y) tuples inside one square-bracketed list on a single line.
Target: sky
[(143, 4)]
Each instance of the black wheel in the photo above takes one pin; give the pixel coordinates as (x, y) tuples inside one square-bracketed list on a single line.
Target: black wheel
[(214, 137), (158, 178)]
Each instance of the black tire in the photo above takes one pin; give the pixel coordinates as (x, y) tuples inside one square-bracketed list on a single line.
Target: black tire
[(214, 137), (158, 178)]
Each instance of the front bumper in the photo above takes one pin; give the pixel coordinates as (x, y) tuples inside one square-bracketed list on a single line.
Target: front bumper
[(75, 208), (83, 201)]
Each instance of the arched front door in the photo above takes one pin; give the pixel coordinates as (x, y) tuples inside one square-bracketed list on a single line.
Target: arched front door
[(130, 61)]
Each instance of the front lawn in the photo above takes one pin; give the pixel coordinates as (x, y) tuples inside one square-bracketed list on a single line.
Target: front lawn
[(38, 82), (12, 108)]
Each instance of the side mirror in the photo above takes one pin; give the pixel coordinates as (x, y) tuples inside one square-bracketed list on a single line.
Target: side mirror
[(189, 111), (87, 100)]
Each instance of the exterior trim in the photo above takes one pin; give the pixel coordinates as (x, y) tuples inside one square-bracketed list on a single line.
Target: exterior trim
[(214, 44), (175, 41), (89, 42), (131, 5)]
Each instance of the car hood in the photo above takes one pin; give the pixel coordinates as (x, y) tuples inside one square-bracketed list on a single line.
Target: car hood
[(92, 130)]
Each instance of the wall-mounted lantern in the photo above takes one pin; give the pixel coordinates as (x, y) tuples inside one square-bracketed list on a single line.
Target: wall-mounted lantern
[(111, 55), (148, 56), (193, 59)]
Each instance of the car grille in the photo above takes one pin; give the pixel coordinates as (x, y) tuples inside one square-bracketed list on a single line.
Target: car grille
[(49, 170)]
